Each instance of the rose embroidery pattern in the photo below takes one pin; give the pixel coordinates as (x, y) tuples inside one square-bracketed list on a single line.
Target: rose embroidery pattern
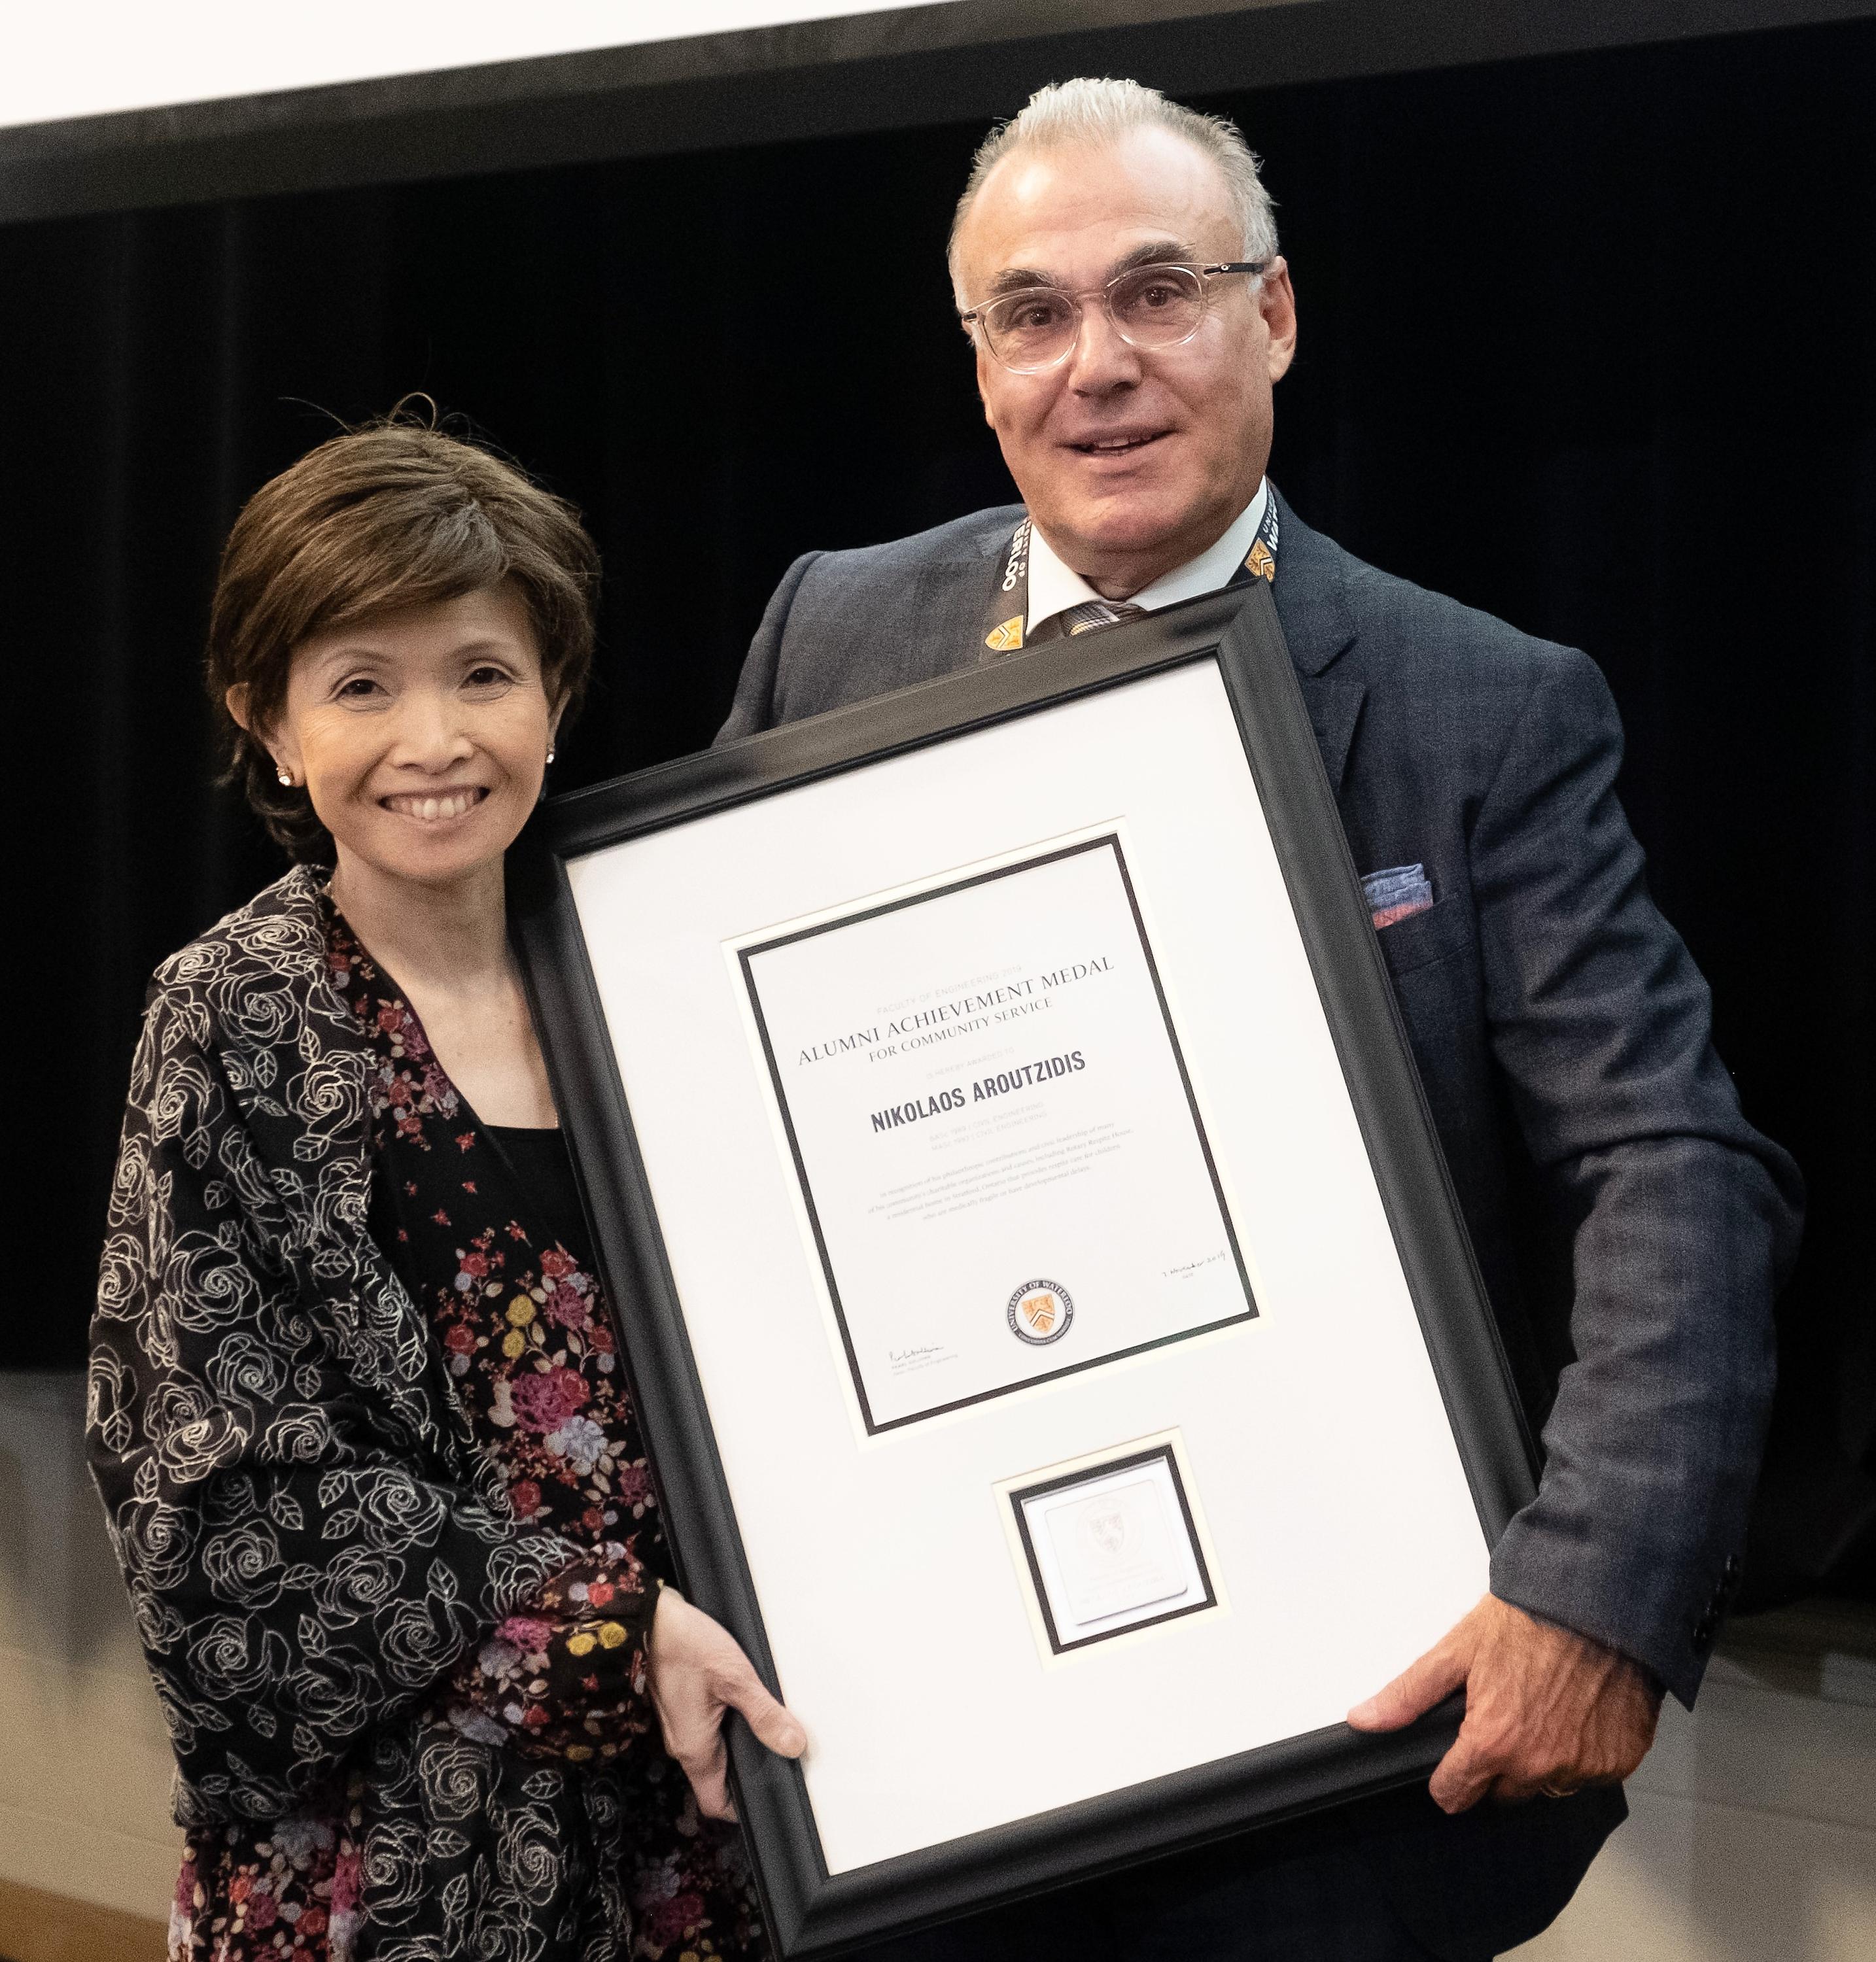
[(385, 1521)]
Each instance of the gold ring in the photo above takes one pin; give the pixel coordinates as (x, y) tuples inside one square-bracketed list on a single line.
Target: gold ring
[(1559, 1791)]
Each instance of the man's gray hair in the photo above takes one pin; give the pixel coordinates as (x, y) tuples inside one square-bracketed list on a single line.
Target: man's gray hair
[(1099, 110)]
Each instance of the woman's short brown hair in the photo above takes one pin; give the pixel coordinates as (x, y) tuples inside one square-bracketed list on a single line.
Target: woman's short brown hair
[(396, 513)]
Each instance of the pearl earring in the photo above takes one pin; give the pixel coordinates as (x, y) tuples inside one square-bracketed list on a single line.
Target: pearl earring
[(550, 753), (286, 777)]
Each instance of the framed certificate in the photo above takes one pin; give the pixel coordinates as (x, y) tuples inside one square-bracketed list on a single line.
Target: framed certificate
[(909, 1212), (1065, 1368)]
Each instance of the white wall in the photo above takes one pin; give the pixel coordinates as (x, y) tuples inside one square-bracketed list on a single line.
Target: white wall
[(1753, 1837), (85, 1761)]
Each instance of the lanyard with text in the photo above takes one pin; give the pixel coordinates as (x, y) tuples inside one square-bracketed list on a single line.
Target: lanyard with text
[(1006, 634)]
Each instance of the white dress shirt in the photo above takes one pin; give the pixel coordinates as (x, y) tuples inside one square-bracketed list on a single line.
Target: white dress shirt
[(1053, 586)]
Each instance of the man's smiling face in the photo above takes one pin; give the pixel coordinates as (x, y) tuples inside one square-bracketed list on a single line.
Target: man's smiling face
[(1131, 461)]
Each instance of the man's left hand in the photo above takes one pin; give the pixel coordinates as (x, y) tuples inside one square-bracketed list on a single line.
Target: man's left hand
[(1547, 1709)]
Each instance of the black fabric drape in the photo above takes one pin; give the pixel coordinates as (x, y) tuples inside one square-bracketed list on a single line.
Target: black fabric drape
[(1587, 342)]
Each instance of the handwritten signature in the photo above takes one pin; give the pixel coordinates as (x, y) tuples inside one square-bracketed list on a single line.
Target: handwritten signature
[(1191, 1267)]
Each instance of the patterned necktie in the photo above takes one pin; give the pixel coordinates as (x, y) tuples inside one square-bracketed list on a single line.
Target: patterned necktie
[(1093, 613)]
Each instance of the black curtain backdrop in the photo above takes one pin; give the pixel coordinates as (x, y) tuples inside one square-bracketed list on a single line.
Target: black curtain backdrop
[(1586, 342)]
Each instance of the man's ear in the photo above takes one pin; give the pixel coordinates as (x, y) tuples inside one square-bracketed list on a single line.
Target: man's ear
[(1276, 301), (983, 370)]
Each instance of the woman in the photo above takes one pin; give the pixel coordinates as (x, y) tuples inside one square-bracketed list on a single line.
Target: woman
[(357, 1417)]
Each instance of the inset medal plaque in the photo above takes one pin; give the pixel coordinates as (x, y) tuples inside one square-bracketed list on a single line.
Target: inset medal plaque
[(1039, 1286), (1111, 1547)]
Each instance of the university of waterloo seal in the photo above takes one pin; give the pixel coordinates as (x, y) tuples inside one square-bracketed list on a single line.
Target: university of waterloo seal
[(1040, 1312)]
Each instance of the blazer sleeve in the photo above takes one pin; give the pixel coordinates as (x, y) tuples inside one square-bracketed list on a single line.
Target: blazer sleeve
[(1686, 1219), (302, 1566), (755, 708)]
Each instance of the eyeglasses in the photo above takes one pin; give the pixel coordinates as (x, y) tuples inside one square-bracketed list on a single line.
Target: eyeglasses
[(1150, 307)]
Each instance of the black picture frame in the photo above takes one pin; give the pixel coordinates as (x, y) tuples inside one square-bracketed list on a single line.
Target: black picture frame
[(811, 1913)]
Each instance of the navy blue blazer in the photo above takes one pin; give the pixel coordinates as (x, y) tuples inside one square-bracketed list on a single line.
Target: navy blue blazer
[(1632, 1226), (1560, 1025)]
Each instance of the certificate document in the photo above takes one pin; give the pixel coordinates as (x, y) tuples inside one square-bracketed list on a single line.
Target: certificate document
[(994, 1137)]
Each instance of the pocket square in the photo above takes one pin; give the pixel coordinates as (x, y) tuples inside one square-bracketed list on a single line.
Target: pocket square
[(1396, 893)]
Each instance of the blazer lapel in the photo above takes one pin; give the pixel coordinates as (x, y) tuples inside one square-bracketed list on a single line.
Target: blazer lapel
[(1334, 706), (981, 579), (1319, 628), (956, 599)]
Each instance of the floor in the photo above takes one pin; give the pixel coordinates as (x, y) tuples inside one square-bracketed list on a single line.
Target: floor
[(1753, 1837)]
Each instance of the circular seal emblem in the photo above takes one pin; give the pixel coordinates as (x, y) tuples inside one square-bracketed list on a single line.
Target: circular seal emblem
[(1040, 1312)]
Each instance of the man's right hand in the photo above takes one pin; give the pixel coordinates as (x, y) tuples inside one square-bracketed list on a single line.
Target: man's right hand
[(699, 1675)]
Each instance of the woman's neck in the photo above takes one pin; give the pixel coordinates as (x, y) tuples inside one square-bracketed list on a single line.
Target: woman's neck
[(451, 938)]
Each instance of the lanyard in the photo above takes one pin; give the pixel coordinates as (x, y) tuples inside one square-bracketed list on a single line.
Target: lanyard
[(1005, 635)]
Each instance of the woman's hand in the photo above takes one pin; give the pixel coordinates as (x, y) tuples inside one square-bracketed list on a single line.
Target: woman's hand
[(698, 1676)]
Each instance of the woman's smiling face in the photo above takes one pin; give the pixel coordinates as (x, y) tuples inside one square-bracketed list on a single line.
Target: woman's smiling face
[(422, 735)]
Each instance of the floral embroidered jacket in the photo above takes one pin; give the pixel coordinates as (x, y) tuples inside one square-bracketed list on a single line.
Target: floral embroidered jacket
[(315, 1545)]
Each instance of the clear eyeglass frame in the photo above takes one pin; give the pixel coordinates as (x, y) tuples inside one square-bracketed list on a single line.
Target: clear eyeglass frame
[(997, 319)]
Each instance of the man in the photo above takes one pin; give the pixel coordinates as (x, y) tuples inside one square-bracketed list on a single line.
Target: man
[(1115, 264)]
